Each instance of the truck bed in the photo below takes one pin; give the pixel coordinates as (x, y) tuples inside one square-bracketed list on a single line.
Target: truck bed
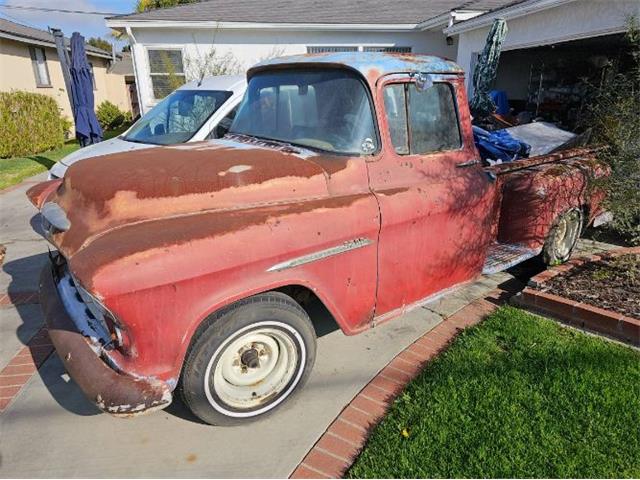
[(532, 193)]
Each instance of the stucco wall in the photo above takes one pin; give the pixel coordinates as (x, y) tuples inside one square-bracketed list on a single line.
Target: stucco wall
[(17, 74), (571, 21), (249, 47)]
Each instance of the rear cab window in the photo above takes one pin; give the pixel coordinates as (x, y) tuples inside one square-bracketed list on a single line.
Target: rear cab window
[(422, 121)]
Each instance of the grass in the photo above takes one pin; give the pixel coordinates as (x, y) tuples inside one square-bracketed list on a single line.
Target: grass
[(516, 396), (14, 170)]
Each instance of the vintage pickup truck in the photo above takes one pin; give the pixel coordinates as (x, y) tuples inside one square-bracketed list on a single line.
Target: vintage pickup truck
[(346, 179)]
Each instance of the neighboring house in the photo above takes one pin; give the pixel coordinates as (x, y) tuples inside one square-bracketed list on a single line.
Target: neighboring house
[(173, 41), (29, 62), (125, 67)]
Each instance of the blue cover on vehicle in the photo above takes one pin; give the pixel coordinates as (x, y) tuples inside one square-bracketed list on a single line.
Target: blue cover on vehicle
[(499, 145)]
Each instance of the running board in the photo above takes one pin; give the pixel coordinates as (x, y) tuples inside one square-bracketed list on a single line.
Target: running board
[(502, 256)]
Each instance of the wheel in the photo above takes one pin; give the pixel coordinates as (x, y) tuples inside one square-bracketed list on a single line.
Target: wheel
[(248, 359), (562, 237)]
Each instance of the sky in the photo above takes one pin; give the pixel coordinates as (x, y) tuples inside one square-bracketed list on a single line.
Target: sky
[(87, 25)]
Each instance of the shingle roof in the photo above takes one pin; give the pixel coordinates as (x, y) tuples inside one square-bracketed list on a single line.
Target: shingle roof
[(124, 66), (312, 11), (28, 33)]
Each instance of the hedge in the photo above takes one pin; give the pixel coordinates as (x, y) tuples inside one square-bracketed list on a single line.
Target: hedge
[(109, 115), (29, 123)]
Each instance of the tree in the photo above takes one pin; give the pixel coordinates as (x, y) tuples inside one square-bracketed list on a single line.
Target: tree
[(100, 43), (144, 5)]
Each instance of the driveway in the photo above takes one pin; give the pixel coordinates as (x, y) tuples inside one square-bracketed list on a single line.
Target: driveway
[(50, 430)]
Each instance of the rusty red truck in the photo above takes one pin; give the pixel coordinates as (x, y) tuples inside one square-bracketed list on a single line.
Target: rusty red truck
[(346, 179)]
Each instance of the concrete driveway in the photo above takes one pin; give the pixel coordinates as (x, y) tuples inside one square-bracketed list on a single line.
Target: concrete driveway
[(50, 430)]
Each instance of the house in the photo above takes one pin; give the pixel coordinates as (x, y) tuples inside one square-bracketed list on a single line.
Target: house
[(31, 57), (177, 41), (125, 67), (549, 46)]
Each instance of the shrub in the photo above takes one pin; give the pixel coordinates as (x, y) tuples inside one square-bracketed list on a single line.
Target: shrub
[(29, 123), (613, 114), (67, 125), (109, 115)]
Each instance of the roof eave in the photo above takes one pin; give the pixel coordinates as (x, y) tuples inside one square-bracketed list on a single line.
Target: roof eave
[(447, 19), (508, 13), (208, 24), (43, 43)]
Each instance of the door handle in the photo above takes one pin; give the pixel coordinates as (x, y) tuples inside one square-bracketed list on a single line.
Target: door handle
[(470, 163)]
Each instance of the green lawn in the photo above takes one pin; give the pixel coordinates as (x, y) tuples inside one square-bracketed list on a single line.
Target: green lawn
[(14, 170), (516, 396)]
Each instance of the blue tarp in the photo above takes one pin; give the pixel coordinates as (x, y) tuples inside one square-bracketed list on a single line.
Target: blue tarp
[(500, 100), (499, 145), (88, 129)]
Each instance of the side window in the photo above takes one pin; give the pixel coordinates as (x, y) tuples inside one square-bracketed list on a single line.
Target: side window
[(422, 121), (395, 105), (433, 119), (223, 126), (40, 69)]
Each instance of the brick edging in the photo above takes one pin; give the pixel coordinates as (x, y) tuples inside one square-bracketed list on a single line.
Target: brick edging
[(579, 314), (22, 366), (339, 446)]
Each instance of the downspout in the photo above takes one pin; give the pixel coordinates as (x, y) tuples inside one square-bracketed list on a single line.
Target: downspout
[(63, 56), (132, 42)]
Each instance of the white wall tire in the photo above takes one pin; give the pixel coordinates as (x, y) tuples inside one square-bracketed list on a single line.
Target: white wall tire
[(248, 359)]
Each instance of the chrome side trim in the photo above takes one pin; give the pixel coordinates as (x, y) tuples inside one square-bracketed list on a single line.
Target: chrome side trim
[(329, 252)]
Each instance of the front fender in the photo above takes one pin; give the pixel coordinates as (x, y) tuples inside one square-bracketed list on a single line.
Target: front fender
[(193, 266)]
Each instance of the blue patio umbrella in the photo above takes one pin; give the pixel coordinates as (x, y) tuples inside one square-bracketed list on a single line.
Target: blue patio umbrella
[(88, 129)]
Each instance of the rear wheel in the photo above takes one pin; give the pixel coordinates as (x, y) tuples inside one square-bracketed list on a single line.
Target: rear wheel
[(248, 359), (562, 237)]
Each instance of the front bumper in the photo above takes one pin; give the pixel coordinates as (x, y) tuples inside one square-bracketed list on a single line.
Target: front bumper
[(113, 392)]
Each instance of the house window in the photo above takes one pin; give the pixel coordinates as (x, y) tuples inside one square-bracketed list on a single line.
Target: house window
[(93, 76), (167, 71), (422, 121), (388, 49), (40, 70), (332, 49)]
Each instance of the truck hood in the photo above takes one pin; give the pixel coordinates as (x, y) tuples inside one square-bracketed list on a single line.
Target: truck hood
[(98, 195)]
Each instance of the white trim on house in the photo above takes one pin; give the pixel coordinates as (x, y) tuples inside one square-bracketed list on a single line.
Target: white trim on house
[(400, 27), (566, 38), (519, 10)]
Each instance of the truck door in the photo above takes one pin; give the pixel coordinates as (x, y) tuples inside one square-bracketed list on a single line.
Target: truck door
[(435, 200)]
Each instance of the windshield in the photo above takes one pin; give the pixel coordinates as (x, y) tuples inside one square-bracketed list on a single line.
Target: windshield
[(178, 117), (326, 109)]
